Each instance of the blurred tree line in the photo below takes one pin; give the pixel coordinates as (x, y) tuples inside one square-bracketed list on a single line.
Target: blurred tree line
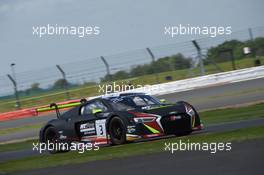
[(256, 46), (178, 61), (169, 63)]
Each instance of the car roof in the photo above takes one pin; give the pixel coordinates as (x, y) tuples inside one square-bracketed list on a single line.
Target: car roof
[(114, 95), (121, 94), (108, 96)]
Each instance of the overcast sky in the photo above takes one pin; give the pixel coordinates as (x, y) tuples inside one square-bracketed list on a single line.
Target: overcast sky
[(124, 24)]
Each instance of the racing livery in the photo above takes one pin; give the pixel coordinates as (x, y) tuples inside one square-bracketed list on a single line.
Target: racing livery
[(117, 119)]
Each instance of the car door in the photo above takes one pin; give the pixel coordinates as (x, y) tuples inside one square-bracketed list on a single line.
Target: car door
[(92, 120)]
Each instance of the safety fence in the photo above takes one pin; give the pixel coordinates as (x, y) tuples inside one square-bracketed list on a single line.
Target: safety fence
[(47, 85)]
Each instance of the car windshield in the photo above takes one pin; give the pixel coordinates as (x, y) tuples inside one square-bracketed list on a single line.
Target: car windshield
[(133, 101)]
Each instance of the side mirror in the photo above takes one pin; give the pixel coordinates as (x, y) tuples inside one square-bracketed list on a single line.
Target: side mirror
[(83, 100), (97, 110), (163, 100)]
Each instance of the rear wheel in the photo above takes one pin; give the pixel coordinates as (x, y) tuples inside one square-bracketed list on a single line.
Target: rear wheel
[(117, 131), (52, 141)]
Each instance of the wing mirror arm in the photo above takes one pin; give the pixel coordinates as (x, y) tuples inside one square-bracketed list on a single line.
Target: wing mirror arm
[(56, 108), (83, 100)]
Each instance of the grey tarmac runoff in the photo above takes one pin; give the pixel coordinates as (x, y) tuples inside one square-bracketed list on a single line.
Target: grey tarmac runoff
[(245, 158), (221, 127)]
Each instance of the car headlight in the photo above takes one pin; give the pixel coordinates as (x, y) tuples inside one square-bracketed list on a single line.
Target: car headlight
[(144, 119), (140, 117)]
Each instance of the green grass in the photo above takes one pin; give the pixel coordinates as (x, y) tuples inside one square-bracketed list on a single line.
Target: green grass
[(86, 91), (238, 93), (19, 129), (17, 146), (233, 114), (208, 117), (133, 149)]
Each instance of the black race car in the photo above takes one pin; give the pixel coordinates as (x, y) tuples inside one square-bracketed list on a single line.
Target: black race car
[(117, 119)]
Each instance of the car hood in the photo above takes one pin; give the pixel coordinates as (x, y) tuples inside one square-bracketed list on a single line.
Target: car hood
[(166, 109)]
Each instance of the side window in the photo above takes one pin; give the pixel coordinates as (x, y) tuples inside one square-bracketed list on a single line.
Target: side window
[(139, 101), (100, 105), (148, 101), (87, 109)]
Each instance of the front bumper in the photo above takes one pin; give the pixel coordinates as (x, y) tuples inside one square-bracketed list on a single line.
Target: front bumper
[(166, 125), (199, 127)]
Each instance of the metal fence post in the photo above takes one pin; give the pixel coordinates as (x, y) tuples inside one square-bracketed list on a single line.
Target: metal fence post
[(107, 67), (65, 82), (231, 52), (153, 61), (254, 50), (15, 90), (199, 56), (250, 34)]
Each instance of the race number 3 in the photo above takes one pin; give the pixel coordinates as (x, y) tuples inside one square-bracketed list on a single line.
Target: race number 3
[(100, 128)]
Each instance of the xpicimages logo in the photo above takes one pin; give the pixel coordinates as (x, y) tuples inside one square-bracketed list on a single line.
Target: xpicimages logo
[(123, 87), (211, 31), (80, 147), (212, 147), (52, 30)]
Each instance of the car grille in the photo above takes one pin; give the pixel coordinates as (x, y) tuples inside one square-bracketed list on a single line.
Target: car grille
[(176, 126)]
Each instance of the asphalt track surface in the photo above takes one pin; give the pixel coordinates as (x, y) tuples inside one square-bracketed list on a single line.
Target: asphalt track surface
[(244, 158), (221, 127), (203, 98)]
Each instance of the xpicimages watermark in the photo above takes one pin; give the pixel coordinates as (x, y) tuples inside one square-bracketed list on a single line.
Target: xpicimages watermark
[(212, 147), (211, 31), (80, 147), (124, 87), (59, 30)]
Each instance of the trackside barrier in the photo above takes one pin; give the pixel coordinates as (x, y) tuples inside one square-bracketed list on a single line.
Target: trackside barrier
[(23, 113), (61, 105), (204, 81), (158, 89), (30, 112)]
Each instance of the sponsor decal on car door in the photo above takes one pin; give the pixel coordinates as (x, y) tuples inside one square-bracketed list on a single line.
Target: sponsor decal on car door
[(88, 129), (100, 128)]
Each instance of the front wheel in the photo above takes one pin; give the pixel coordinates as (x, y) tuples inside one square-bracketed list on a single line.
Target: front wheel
[(117, 131)]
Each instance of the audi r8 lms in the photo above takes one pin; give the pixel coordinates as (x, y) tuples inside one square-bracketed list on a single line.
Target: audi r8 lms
[(117, 119)]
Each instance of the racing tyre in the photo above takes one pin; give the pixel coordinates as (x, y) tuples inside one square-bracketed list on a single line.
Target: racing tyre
[(53, 145), (117, 131)]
